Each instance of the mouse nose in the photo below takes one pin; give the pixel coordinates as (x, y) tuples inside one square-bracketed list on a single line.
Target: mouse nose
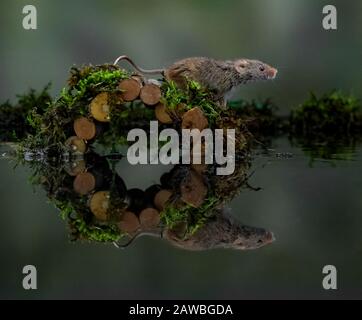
[(269, 237), (272, 72)]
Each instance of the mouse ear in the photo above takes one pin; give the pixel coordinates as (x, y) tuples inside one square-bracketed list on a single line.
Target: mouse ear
[(240, 65)]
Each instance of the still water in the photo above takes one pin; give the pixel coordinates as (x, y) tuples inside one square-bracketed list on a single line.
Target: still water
[(309, 198)]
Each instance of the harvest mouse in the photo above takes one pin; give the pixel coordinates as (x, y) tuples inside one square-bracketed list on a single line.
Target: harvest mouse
[(222, 231), (218, 76)]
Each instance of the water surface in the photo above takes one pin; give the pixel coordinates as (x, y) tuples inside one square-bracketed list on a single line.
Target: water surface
[(313, 207)]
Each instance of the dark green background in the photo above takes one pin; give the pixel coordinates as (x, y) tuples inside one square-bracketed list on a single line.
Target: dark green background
[(315, 213)]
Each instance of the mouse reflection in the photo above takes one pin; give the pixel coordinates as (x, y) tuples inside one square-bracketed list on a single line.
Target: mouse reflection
[(187, 207)]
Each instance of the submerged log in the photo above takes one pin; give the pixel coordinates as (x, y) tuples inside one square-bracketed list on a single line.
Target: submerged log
[(76, 167), (198, 150), (84, 183), (99, 204), (200, 168), (193, 190), (149, 218), (75, 144), (85, 128), (162, 114), (151, 192), (129, 222), (137, 199), (194, 119), (161, 199)]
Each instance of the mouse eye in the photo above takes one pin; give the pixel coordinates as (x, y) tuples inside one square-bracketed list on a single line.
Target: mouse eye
[(242, 65), (262, 68)]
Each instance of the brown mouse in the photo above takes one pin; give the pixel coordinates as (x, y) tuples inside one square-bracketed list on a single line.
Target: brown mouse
[(221, 231), (218, 76)]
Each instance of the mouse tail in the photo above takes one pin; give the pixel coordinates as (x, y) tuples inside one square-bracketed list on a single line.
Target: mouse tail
[(158, 234), (152, 71)]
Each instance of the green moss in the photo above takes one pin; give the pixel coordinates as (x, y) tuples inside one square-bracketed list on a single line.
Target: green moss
[(172, 95), (86, 82), (85, 230), (172, 216), (74, 210), (332, 113), (81, 227), (50, 128), (264, 110), (256, 117), (34, 99), (14, 124), (193, 218), (332, 148), (260, 116), (191, 97), (82, 230), (55, 125), (46, 124), (54, 179)]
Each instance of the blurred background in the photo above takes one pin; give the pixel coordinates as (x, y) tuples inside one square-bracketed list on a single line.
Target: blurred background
[(314, 213)]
